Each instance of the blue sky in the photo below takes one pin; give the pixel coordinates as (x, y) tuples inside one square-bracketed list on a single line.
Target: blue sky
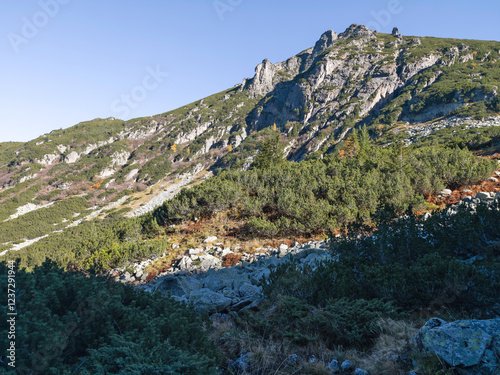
[(66, 61)]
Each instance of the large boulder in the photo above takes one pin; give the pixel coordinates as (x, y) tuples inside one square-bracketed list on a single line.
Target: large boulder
[(472, 346), (224, 278), (206, 301), (179, 286)]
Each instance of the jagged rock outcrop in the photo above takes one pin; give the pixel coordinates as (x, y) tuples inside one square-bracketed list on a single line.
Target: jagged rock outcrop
[(262, 82)]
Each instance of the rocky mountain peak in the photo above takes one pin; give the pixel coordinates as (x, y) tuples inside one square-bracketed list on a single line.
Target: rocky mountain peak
[(262, 82), (326, 41), (356, 31)]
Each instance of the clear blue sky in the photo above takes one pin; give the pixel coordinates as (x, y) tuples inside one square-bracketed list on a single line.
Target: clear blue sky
[(73, 60)]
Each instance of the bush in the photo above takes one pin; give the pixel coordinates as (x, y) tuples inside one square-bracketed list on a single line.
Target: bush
[(69, 323)]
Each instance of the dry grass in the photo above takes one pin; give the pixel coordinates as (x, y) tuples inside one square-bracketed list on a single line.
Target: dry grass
[(392, 350)]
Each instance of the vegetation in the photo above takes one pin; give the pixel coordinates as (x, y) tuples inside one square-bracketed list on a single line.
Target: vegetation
[(76, 324), (315, 195), (386, 280)]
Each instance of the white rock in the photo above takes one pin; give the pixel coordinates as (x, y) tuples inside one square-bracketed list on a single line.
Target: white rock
[(445, 192), (72, 157), (210, 239)]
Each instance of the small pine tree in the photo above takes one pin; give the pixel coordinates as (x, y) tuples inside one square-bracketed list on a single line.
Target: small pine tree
[(270, 153)]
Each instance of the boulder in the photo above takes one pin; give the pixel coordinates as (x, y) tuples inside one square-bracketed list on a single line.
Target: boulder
[(483, 196), (241, 364), (472, 346), (179, 286), (210, 262), (248, 290), (445, 192), (210, 239), (206, 301), (224, 278), (346, 366), (334, 366), (185, 263)]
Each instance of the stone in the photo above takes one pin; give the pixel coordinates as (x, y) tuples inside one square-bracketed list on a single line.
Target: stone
[(334, 366), (395, 32), (224, 278), (72, 157), (359, 371), (185, 263), (138, 273), (225, 252), (346, 366), (312, 358), (206, 301), (210, 262), (445, 192), (472, 346), (293, 359), (248, 290), (493, 179), (210, 239), (179, 286), (241, 364), (194, 251), (483, 196)]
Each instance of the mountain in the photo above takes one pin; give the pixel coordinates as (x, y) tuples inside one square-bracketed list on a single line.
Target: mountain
[(336, 202), (397, 87)]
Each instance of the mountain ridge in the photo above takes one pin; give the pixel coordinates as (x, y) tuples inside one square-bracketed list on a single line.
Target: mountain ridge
[(314, 99)]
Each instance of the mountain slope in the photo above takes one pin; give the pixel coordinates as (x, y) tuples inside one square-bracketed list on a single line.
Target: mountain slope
[(391, 84)]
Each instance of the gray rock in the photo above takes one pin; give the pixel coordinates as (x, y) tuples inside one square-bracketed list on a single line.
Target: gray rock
[(293, 359), (194, 251), (445, 192), (258, 274), (210, 239), (483, 196), (179, 286), (493, 179), (248, 290), (207, 301), (210, 262), (346, 366), (185, 263), (359, 371), (473, 346), (224, 278), (312, 358), (334, 366), (241, 364)]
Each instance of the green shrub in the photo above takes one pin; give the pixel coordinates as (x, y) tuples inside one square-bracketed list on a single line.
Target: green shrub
[(69, 323)]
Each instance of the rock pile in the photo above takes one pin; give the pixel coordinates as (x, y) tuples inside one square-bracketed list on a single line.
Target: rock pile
[(200, 278)]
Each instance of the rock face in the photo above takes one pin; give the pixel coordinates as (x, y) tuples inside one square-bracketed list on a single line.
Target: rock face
[(262, 82), (472, 346)]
